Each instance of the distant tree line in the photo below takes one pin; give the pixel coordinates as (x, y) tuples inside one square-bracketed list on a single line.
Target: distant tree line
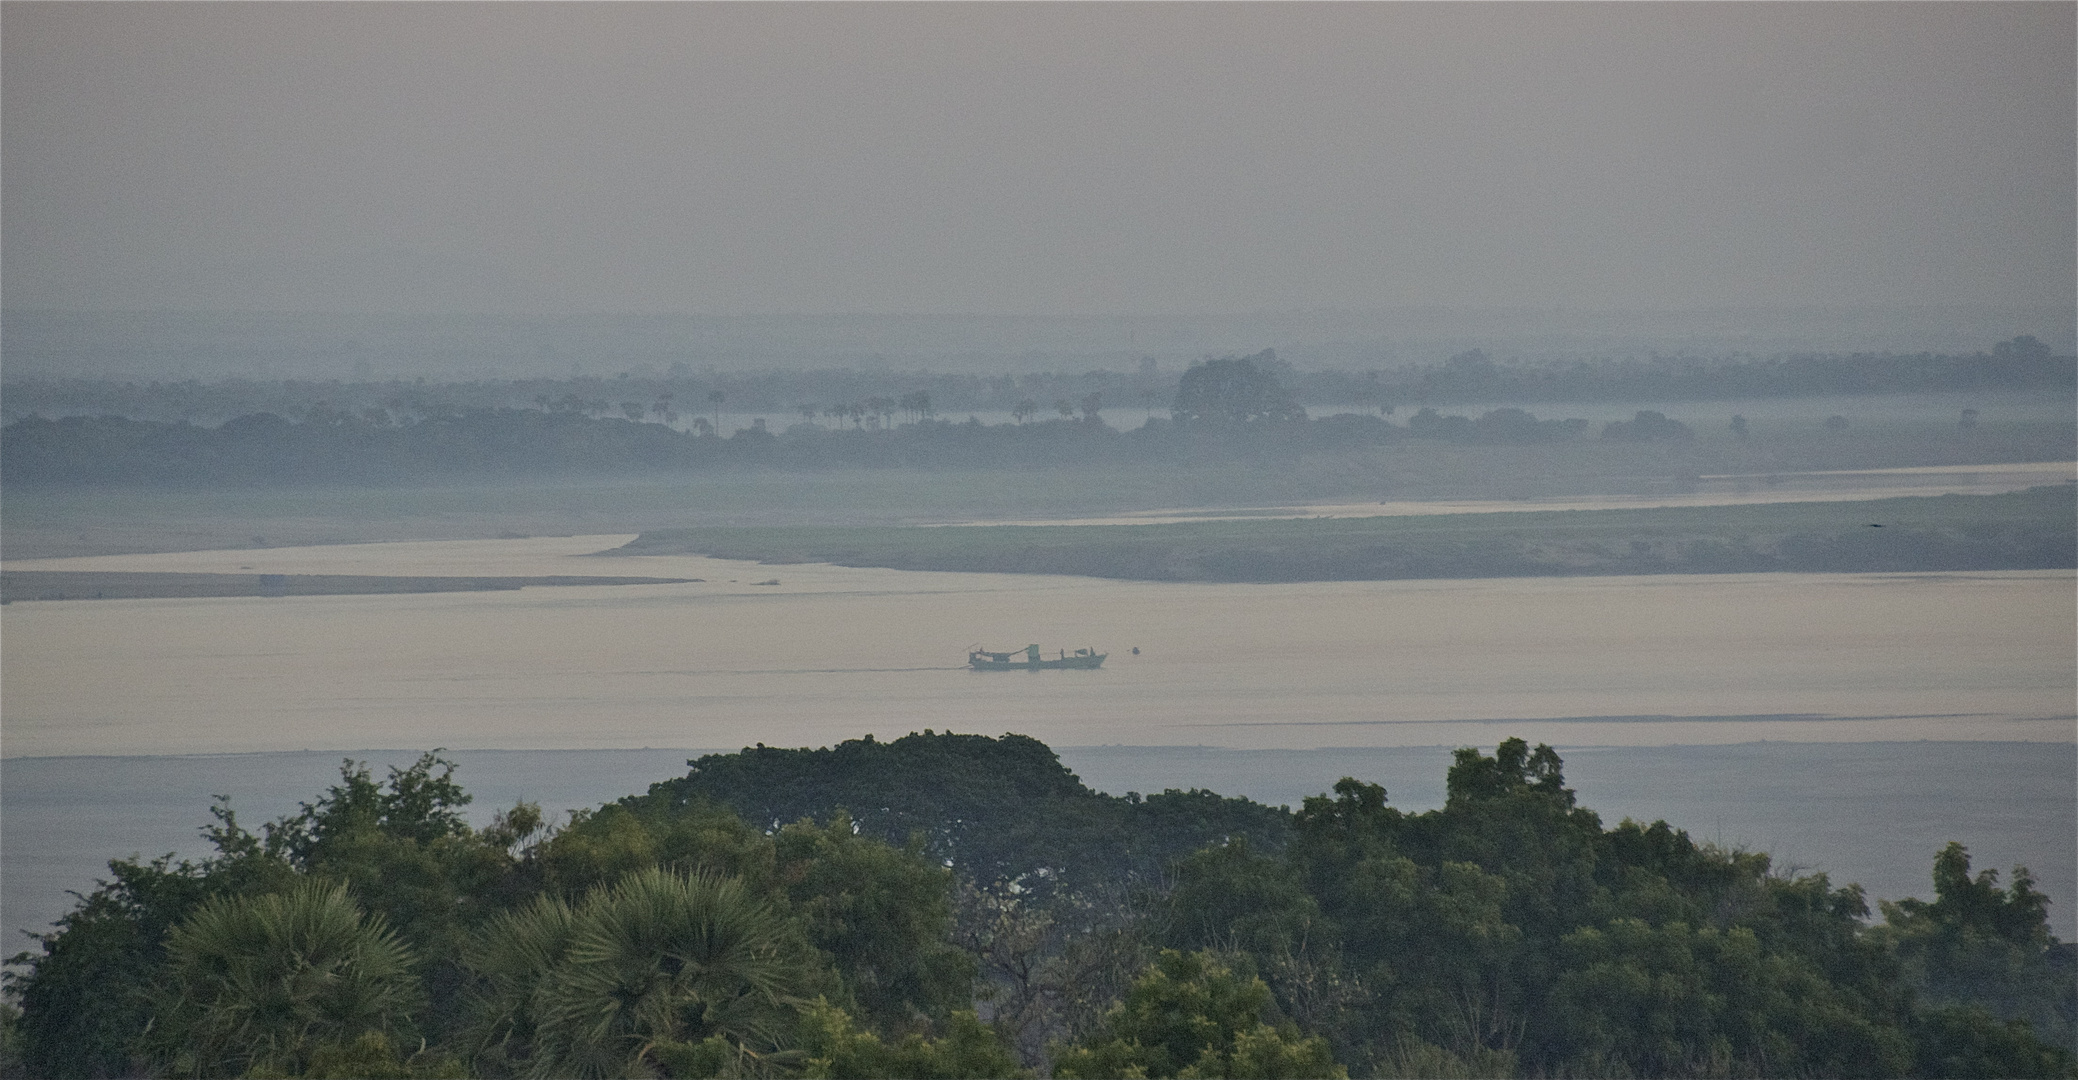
[(847, 397), (2020, 364), (958, 906), (1221, 409)]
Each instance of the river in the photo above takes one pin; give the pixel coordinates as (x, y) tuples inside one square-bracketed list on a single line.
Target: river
[(1333, 676)]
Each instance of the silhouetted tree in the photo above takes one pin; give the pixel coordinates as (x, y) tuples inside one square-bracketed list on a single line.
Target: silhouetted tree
[(1234, 390)]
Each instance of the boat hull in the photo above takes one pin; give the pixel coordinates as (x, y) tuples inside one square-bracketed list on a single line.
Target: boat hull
[(1064, 663)]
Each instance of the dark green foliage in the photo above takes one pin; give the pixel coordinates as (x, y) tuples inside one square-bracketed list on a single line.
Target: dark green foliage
[(375, 933), (1964, 1041), (600, 846), (1678, 1001), (1988, 947), (402, 847), (84, 995), (1231, 898), (1000, 809), (1509, 931), (882, 914), (261, 983), (86, 991), (657, 958), (836, 1048), (1190, 1016)]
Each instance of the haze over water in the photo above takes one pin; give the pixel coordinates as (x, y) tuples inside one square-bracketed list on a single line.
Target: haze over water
[(831, 653)]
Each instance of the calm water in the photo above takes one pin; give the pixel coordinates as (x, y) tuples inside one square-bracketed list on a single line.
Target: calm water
[(831, 653), (1672, 678)]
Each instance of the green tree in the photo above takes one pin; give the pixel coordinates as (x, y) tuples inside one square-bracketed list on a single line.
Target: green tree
[(86, 992), (659, 959), (885, 916), (405, 851), (261, 983), (514, 958), (1964, 1041), (1677, 1001), (836, 1048), (1981, 945), (1191, 1016)]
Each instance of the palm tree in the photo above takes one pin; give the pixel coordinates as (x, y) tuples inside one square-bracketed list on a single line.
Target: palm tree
[(513, 957), (918, 403), (658, 959), (257, 984), (715, 398)]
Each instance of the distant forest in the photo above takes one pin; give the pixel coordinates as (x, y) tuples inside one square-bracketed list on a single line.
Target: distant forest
[(960, 906), (829, 397), (1219, 409)]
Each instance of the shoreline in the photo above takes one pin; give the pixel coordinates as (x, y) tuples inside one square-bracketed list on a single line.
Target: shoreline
[(55, 585)]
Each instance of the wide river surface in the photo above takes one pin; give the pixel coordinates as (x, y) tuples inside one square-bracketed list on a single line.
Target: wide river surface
[(1679, 696), (830, 653)]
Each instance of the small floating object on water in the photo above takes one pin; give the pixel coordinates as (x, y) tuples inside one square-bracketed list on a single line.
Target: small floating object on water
[(774, 581), (1028, 659)]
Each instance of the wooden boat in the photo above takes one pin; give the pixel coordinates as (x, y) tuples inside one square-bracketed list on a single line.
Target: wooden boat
[(1028, 659)]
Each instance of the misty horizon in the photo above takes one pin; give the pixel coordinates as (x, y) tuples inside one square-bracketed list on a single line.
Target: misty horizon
[(1037, 160), (1305, 397), (211, 344)]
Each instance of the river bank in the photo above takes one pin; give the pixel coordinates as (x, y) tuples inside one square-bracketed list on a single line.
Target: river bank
[(2026, 530)]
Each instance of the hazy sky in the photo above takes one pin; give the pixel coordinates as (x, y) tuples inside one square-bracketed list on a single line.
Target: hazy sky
[(1034, 158)]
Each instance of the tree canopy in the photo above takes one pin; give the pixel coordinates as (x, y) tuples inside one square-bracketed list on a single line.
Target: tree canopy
[(957, 906), (1234, 390)]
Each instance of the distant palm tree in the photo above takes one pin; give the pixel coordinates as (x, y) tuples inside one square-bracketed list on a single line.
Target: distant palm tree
[(1024, 410), (715, 398)]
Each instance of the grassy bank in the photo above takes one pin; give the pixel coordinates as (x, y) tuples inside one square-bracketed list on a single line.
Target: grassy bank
[(2032, 529)]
